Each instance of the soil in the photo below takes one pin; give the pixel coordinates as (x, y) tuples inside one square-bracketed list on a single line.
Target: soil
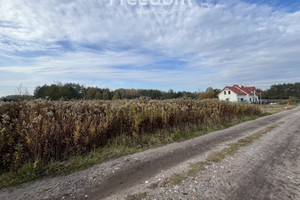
[(267, 169)]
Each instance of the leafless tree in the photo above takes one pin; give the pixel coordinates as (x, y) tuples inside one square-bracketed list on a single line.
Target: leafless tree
[(21, 92)]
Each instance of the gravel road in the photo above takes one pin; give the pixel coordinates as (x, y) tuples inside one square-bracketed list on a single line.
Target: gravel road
[(267, 169)]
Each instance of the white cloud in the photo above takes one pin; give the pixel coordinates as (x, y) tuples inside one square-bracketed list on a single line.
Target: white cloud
[(218, 43)]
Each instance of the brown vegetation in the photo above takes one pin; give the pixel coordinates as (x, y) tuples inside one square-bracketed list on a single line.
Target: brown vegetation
[(42, 131)]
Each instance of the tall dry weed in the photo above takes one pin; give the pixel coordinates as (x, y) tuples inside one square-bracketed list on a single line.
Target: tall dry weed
[(41, 131)]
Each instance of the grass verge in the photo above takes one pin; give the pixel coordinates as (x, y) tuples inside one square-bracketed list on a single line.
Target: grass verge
[(269, 109)]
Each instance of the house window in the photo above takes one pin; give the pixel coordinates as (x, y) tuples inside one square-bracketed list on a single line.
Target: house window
[(227, 99), (250, 99), (242, 99), (228, 92), (224, 92)]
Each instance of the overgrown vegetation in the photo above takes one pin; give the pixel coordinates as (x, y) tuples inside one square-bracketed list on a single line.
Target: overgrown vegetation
[(36, 136)]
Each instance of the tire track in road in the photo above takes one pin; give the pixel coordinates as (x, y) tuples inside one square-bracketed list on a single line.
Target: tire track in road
[(277, 176)]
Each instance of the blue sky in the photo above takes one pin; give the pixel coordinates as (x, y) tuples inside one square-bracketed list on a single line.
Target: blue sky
[(181, 47)]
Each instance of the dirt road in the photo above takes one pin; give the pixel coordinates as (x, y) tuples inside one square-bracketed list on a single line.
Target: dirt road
[(268, 169)]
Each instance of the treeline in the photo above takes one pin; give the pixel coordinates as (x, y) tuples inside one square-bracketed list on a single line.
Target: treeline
[(16, 98), (70, 91), (283, 91)]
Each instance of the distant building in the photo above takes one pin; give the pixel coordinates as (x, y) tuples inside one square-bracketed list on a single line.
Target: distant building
[(239, 93)]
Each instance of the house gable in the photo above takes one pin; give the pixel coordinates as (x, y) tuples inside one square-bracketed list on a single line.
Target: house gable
[(238, 93)]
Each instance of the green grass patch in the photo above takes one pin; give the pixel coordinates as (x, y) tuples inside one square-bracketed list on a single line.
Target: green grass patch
[(175, 179), (197, 167), (220, 155), (138, 196)]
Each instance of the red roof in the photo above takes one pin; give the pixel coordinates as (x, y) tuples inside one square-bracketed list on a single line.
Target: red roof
[(240, 90)]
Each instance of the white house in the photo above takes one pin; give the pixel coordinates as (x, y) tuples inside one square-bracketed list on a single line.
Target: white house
[(239, 93)]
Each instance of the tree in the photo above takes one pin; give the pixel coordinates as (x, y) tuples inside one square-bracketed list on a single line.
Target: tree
[(208, 94), (116, 96), (216, 92), (91, 93), (105, 95), (22, 92), (40, 92), (98, 95)]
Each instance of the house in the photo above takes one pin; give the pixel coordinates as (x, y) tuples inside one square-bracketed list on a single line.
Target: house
[(239, 93)]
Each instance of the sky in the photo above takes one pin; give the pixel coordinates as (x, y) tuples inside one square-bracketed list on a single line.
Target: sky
[(166, 45)]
